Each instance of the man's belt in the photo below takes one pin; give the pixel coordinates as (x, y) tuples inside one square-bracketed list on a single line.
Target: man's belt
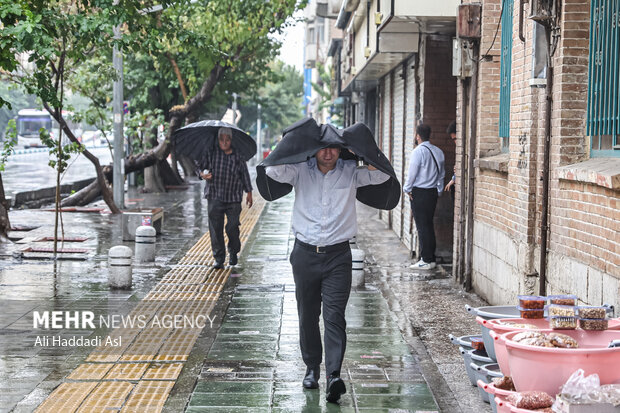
[(323, 249)]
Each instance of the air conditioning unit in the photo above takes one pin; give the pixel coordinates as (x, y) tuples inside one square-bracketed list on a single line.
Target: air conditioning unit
[(542, 10)]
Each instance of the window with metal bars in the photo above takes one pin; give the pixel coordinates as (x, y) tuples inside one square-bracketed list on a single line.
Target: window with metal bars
[(505, 69), (603, 118)]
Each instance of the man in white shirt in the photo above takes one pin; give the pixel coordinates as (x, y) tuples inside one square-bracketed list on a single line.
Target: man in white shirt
[(424, 184), (324, 219)]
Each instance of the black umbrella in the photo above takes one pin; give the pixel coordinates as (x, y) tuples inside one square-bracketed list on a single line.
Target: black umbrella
[(198, 138), (305, 138)]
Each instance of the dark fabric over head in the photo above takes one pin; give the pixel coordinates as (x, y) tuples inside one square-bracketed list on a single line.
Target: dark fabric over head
[(305, 138)]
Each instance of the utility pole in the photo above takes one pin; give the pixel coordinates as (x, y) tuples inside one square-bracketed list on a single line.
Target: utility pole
[(118, 168), (234, 108), (259, 152)]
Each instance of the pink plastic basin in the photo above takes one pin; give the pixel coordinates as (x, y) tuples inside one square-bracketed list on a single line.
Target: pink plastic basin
[(491, 389), (547, 369), (502, 405), (501, 354), (497, 328)]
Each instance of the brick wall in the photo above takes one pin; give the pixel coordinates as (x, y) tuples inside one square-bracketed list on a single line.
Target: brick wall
[(584, 219)]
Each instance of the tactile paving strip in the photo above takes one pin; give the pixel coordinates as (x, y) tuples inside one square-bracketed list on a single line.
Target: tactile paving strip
[(108, 396), (152, 357), (148, 396), (90, 371)]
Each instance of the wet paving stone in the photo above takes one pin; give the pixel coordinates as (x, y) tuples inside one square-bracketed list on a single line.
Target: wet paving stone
[(255, 357)]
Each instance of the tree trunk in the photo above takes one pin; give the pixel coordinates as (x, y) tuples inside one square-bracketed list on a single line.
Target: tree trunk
[(84, 196), (5, 224), (103, 187), (188, 166), (169, 175), (152, 179), (143, 160)]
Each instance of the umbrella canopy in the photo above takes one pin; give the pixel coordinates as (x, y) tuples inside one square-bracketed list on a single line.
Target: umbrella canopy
[(196, 139), (305, 138)]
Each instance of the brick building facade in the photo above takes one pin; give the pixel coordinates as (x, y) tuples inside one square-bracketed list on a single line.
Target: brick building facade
[(583, 255)]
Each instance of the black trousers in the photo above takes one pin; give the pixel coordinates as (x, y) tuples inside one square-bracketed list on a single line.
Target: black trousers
[(217, 211), (322, 278), (423, 204)]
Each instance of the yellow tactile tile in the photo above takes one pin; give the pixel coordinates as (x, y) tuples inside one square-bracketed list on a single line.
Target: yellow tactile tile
[(66, 398), (108, 396), (90, 371), (163, 371), (127, 371), (191, 288), (148, 396)]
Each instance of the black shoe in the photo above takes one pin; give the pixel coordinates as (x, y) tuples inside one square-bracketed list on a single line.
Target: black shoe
[(218, 265), (311, 381), (335, 389), (233, 259)]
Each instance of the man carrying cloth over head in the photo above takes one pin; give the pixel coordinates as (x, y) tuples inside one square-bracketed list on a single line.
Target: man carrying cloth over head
[(324, 219), (226, 175)]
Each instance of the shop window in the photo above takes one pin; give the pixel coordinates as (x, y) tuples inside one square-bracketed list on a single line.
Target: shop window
[(603, 118), (505, 69)]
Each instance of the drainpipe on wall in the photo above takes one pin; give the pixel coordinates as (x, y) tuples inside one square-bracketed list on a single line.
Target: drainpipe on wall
[(460, 247), (473, 124), (544, 226)]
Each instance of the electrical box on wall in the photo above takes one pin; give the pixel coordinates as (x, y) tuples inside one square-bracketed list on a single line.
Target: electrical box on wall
[(468, 21), (461, 59), (542, 10)]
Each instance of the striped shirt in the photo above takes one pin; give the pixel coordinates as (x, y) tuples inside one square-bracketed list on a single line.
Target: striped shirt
[(230, 176)]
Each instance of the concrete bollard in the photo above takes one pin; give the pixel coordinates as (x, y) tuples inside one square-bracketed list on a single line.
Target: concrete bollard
[(353, 242), (119, 267), (145, 243), (357, 279)]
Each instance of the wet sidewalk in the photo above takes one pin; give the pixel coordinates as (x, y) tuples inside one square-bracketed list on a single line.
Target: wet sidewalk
[(254, 363), (248, 359)]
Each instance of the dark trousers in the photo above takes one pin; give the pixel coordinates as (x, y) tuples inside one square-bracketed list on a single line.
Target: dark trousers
[(423, 203), (217, 210), (322, 278)]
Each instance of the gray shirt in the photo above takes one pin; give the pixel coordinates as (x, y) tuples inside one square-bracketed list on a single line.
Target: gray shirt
[(324, 209), (423, 172)]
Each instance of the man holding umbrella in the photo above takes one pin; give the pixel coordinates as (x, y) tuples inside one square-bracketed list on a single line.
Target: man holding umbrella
[(227, 177)]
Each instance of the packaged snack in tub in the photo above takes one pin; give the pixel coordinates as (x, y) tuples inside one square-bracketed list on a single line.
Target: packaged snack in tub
[(532, 301), (530, 400), (504, 383), (527, 334), (593, 324), (522, 325), (587, 311), (567, 299), (561, 310), (562, 322), (532, 312), (477, 343), (562, 340)]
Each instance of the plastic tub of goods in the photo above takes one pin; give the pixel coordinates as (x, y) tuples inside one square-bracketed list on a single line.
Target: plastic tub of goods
[(474, 359), (501, 326), (502, 405), (465, 348), (484, 373), (491, 313), (547, 368), (494, 393), (481, 377)]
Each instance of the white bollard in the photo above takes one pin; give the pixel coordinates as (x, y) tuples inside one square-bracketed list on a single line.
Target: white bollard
[(119, 267), (357, 279), (353, 242), (145, 243)]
